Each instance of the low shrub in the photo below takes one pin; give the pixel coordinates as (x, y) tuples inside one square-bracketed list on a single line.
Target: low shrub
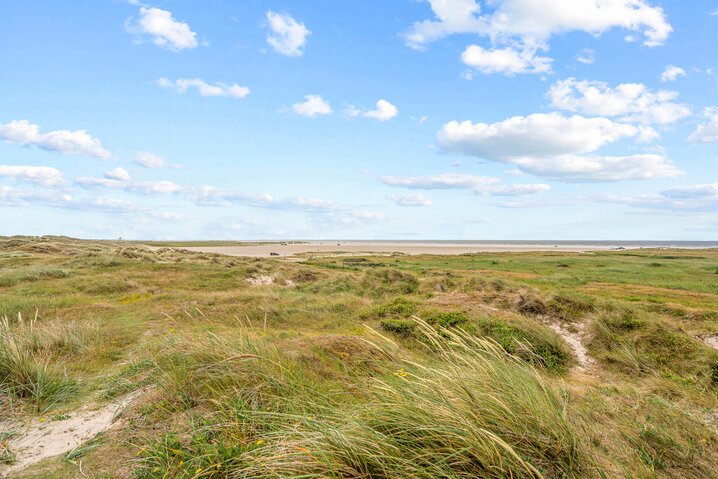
[(401, 327)]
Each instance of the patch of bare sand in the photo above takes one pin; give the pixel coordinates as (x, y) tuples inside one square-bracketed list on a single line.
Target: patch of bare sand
[(42, 440), (260, 280), (575, 341), (711, 340)]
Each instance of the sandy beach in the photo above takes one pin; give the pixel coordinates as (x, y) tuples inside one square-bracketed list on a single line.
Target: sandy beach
[(410, 248)]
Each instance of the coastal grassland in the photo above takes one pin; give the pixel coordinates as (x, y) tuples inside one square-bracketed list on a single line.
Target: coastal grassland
[(364, 367)]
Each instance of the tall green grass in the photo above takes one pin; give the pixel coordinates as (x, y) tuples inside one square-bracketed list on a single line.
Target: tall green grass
[(30, 361), (473, 410)]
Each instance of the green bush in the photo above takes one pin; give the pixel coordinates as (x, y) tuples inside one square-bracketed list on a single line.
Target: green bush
[(402, 327), (400, 306), (446, 319), (531, 342)]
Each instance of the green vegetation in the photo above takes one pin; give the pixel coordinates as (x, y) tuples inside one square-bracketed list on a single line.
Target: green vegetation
[(363, 367)]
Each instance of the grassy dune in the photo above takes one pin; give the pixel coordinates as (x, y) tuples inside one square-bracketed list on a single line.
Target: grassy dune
[(363, 367)]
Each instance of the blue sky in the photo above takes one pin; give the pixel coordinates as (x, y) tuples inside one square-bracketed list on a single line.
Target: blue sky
[(443, 119)]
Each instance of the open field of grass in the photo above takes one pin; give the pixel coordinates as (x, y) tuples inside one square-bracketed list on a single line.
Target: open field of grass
[(492, 365)]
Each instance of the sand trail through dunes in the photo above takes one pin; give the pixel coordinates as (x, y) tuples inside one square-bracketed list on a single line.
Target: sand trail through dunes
[(575, 341), (44, 439)]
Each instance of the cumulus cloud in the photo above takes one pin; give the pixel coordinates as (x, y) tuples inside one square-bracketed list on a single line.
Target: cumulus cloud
[(539, 134), (119, 174), (507, 60), (150, 160), (384, 111), (182, 85), (287, 36), (671, 73), (632, 102), (77, 142), (555, 146), (482, 185), (706, 132), (40, 175), (312, 106), (517, 29), (164, 30), (535, 22), (452, 16), (409, 200)]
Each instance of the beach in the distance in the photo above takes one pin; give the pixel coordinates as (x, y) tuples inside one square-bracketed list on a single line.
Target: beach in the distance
[(428, 247)]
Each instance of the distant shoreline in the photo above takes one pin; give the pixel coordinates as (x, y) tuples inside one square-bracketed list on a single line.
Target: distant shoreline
[(329, 248)]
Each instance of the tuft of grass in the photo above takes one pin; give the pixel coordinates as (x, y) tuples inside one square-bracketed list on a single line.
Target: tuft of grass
[(7, 456), (31, 274), (27, 366)]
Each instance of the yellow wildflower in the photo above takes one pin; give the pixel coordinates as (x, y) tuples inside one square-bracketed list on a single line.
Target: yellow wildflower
[(260, 441)]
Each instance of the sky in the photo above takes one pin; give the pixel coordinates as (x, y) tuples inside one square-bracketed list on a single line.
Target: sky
[(339, 119)]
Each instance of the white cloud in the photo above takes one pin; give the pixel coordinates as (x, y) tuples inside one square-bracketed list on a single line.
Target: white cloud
[(528, 25), (507, 60), (410, 200), (708, 131), (481, 185), (149, 160), (536, 135), (555, 146), (671, 73), (312, 106), (632, 102), (119, 174), (515, 190), (165, 31), (587, 56), (140, 187), (15, 197), (534, 21), (702, 197), (40, 175), (68, 142), (592, 168), (452, 16), (445, 181), (538, 21), (205, 89), (288, 36), (384, 111)]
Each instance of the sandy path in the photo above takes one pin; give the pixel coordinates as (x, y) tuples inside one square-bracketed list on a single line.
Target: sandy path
[(575, 341), (42, 440), (365, 247)]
